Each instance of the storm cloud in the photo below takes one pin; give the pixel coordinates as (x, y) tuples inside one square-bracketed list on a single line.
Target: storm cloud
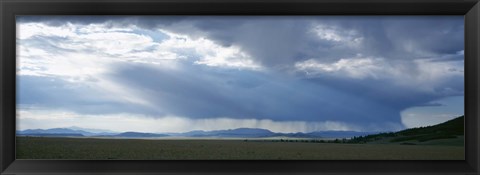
[(362, 71)]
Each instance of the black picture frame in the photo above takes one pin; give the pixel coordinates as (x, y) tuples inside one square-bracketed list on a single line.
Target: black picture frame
[(11, 8)]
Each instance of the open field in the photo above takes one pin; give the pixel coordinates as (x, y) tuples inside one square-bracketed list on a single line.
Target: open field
[(90, 148)]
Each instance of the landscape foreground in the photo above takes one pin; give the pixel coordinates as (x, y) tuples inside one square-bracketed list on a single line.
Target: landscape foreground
[(444, 141), (101, 149)]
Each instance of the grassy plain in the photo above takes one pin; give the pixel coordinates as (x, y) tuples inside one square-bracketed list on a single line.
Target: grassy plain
[(131, 149)]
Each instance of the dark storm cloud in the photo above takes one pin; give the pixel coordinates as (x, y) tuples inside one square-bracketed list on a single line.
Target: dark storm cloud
[(438, 36), (388, 94), (197, 92), (431, 104), (147, 22), (271, 41), (62, 20), (275, 41)]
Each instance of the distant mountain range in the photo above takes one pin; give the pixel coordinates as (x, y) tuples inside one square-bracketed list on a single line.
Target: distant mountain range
[(64, 131), (90, 130), (448, 133), (138, 134), (230, 133)]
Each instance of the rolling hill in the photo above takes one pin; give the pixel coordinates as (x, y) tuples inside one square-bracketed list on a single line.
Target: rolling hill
[(449, 132)]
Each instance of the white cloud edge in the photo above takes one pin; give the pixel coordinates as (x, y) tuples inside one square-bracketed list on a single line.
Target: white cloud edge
[(102, 43), (427, 74)]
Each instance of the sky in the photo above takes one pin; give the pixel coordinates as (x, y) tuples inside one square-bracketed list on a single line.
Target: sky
[(282, 73)]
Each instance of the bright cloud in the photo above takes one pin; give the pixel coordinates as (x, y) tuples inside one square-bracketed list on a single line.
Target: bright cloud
[(349, 37), (213, 54), (350, 67), (89, 49), (29, 30), (422, 74)]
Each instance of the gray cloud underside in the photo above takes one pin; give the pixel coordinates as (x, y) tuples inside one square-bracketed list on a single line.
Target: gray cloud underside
[(206, 93)]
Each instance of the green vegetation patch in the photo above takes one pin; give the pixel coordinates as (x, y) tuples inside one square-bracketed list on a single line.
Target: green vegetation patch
[(448, 130)]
